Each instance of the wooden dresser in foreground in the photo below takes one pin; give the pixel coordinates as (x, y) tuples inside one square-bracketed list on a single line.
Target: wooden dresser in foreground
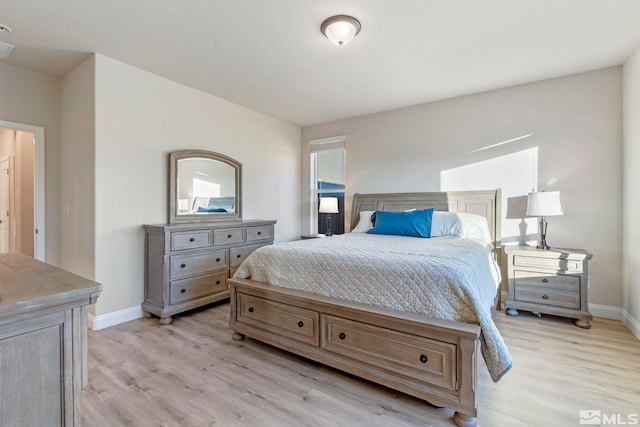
[(553, 281), (187, 265), (43, 342)]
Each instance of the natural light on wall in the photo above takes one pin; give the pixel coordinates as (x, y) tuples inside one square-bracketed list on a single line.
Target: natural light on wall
[(516, 174)]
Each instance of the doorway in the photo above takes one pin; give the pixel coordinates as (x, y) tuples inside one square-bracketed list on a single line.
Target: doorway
[(22, 209)]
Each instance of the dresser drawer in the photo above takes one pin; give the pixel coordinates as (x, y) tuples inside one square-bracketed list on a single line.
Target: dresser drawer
[(551, 263), (192, 288), (181, 240), (227, 236), (277, 318), (188, 265), (259, 233), (401, 353), (237, 255)]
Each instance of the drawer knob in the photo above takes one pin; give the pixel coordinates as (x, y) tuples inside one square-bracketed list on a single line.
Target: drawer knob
[(239, 256), (545, 296), (250, 309), (259, 233), (217, 259), (300, 324), (192, 239), (182, 291), (424, 358), (217, 282), (183, 265), (545, 280), (342, 335), (229, 236)]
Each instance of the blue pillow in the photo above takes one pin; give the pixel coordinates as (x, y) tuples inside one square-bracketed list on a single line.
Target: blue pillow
[(412, 223)]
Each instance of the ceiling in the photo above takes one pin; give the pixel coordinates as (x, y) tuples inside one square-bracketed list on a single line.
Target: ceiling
[(269, 55)]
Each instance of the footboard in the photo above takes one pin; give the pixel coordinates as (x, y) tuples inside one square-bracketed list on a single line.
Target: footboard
[(432, 359)]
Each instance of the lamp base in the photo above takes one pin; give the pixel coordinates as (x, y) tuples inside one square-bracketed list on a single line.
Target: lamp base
[(328, 232), (543, 235)]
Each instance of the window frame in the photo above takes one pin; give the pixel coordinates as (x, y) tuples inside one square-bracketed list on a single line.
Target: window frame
[(316, 146)]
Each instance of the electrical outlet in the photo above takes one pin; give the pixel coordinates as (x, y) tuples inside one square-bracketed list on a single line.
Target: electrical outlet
[(66, 210)]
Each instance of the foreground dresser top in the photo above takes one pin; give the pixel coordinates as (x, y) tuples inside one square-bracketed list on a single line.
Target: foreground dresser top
[(27, 284)]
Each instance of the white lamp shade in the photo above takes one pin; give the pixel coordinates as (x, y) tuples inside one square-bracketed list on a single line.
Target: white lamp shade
[(328, 205), (341, 29), (544, 203)]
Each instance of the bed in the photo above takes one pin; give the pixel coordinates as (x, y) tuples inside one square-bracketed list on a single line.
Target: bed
[(431, 351)]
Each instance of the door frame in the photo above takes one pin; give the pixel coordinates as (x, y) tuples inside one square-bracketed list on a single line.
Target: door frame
[(39, 183)]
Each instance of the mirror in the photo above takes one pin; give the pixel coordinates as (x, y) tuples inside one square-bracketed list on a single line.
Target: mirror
[(204, 186)]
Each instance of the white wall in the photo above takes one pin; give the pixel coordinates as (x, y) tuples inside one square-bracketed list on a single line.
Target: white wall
[(77, 164), (574, 121), (34, 99), (631, 236), (140, 118)]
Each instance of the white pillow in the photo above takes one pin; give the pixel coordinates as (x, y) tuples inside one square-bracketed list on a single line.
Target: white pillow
[(462, 224), (475, 227), (445, 224), (364, 222)]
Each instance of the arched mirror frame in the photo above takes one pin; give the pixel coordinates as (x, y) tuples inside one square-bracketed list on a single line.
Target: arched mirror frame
[(174, 217)]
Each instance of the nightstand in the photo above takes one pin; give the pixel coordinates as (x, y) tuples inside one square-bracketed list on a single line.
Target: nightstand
[(553, 281), (312, 236)]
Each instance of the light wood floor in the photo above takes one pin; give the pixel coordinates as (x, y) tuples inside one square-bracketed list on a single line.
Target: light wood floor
[(191, 373)]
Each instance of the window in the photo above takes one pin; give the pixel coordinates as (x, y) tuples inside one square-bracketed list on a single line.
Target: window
[(327, 180)]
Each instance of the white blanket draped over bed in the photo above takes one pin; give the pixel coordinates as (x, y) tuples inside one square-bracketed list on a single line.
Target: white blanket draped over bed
[(447, 277)]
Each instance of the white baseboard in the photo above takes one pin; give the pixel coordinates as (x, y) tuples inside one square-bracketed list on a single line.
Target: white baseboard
[(606, 311), (114, 318), (632, 324)]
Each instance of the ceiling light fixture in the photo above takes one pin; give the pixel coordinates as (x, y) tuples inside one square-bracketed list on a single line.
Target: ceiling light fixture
[(4, 29), (340, 29), (5, 50)]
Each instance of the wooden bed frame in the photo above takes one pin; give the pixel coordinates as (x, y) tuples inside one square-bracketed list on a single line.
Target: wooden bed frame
[(432, 359)]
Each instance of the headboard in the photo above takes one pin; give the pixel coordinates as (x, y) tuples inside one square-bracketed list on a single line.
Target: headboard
[(486, 203)]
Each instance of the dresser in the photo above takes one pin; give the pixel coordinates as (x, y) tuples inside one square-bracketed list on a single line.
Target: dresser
[(187, 265), (43, 342), (554, 281)]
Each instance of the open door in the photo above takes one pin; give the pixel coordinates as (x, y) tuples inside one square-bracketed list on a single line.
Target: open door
[(5, 236), (22, 208)]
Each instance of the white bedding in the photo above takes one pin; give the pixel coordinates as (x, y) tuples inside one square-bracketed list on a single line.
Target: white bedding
[(447, 277)]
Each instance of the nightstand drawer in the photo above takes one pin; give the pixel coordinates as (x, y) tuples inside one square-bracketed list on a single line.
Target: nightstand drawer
[(542, 296), (552, 263), (552, 282)]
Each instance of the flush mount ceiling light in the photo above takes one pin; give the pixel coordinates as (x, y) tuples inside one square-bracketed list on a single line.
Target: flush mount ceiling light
[(340, 29), (4, 29)]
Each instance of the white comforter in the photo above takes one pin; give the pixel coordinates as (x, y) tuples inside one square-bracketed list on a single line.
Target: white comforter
[(447, 277)]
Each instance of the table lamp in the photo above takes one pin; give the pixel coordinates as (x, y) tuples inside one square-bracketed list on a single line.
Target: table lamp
[(542, 204), (328, 205)]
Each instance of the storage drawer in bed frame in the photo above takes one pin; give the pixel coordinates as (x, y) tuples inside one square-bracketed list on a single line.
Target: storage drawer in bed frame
[(432, 359)]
